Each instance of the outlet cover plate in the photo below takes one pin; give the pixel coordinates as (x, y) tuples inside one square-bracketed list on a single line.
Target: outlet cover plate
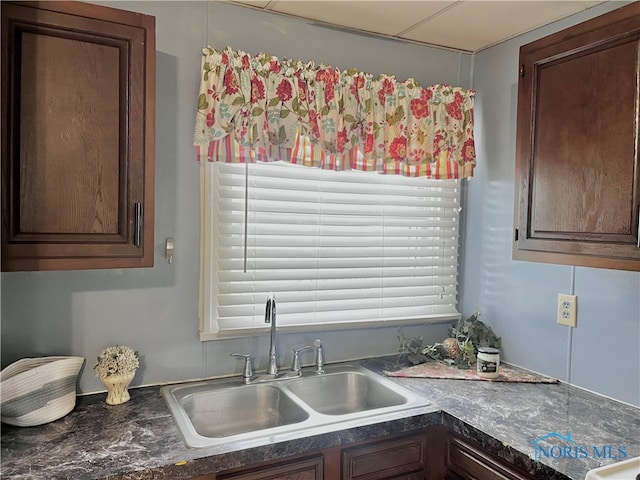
[(567, 310)]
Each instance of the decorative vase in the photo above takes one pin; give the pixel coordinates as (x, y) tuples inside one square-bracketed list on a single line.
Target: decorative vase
[(117, 385)]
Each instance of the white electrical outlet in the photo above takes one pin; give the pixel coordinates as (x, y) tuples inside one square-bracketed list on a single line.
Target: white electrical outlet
[(567, 310)]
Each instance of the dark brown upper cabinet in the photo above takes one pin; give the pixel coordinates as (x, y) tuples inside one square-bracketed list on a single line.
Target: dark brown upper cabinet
[(577, 188), (78, 136)]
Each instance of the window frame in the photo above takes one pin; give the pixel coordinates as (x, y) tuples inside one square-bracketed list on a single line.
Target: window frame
[(209, 328)]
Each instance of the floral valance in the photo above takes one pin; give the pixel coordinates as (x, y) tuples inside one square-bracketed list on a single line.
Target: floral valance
[(263, 108)]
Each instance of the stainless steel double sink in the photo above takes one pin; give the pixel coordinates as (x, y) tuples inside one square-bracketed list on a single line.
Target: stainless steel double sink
[(224, 412)]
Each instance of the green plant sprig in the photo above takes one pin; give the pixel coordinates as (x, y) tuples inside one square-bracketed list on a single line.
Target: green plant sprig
[(470, 334)]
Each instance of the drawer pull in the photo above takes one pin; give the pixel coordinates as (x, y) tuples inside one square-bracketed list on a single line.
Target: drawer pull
[(137, 233)]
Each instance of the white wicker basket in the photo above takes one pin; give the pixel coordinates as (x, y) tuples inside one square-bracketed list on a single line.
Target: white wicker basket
[(34, 391)]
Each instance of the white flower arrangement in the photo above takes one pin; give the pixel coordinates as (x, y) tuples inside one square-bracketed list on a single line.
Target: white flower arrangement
[(116, 360)]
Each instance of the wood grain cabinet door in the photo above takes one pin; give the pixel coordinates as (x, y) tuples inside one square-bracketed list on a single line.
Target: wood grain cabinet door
[(467, 461), (301, 469), (78, 95), (577, 173), (394, 458)]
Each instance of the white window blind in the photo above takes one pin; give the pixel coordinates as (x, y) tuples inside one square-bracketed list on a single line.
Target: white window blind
[(336, 248)]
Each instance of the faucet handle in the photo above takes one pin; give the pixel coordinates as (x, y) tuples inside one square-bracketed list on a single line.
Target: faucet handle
[(319, 356), (295, 361), (247, 373)]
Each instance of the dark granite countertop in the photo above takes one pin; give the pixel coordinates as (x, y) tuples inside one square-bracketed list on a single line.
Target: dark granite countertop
[(139, 439)]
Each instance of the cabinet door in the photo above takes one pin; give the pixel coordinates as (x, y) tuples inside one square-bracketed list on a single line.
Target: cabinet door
[(78, 94), (396, 458), (306, 469), (467, 461), (577, 145)]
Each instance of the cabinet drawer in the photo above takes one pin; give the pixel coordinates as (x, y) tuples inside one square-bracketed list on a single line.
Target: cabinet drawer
[(467, 461), (396, 458), (305, 469)]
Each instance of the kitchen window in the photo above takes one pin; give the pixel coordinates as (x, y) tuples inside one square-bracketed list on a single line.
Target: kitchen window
[(338, 249)]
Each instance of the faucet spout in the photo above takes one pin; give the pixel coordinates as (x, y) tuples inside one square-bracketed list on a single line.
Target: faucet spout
[(270, 317)]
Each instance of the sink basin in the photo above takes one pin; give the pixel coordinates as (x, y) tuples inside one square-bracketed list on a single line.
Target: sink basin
[(345, 392), (227, 415), (231, 411)]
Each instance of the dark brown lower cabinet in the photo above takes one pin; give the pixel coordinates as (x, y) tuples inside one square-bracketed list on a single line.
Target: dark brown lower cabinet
[(434, 453), (466, 460), (304, 469), (401, 458)]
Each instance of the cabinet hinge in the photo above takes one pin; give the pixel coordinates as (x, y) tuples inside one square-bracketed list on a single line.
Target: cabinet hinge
[(515, 235), (522, 70)]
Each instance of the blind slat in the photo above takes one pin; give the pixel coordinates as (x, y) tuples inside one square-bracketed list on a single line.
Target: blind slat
[(339, 273)]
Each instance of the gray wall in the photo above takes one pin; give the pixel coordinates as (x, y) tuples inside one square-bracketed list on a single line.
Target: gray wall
[(156, 310), (519, 298)]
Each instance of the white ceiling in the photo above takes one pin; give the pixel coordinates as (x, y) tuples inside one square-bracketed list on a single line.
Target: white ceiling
[(468, 25)]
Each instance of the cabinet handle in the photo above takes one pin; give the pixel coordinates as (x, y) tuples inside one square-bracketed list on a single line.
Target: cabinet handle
[(137, 233)]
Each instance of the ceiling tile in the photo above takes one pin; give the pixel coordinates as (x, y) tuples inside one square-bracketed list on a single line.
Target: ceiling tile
[(385, 17), (468, 25), (473, 25)]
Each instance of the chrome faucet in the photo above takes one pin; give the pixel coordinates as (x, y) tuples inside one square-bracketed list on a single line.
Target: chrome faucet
[(319, 356), (272, 374), (270, 317), (295, 359), (295, 362)]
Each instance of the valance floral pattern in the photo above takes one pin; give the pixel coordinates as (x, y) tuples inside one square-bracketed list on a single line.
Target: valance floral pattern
[(263, 108)]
